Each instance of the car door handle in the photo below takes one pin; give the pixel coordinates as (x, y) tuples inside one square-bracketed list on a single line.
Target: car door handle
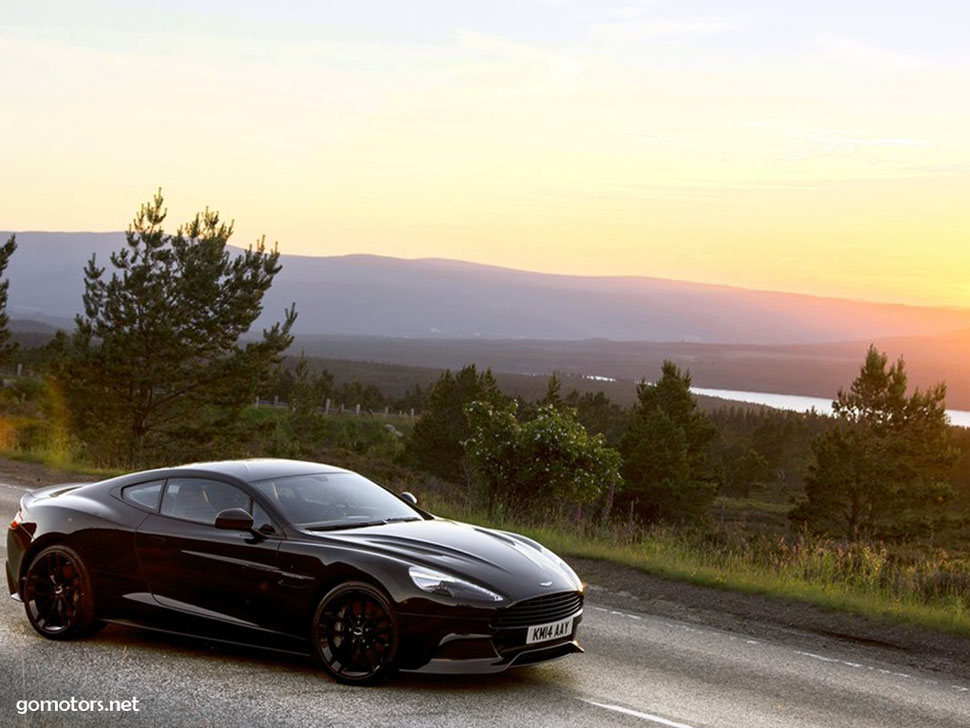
[(156, 540)]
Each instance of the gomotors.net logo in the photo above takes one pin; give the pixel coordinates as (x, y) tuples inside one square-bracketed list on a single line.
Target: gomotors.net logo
[(78, 705)]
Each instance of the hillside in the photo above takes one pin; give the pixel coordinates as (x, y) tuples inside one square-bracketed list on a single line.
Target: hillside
[(364, 295)]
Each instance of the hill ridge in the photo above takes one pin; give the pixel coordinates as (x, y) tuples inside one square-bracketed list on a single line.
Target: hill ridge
[(378, 295)]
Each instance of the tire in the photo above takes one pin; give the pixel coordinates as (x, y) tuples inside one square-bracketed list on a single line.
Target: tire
[(355, 634), (57, 595)]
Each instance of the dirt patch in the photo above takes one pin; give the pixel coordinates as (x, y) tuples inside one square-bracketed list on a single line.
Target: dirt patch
[(35, 475)]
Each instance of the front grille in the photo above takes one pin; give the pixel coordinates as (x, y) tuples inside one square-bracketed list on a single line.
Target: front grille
[(540, 610)]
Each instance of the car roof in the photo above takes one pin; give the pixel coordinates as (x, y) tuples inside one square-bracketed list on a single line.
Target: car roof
[(249, 471), (254, 469)]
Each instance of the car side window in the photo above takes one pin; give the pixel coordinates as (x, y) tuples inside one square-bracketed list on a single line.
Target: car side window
[(145, 495), (201, 500)]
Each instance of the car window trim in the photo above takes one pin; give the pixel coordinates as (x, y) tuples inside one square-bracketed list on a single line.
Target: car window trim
[(278, 532), (119, 493), (190, 477)]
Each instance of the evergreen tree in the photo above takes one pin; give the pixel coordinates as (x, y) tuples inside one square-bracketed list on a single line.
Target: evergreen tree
[(435, 445), (553, 395), (665, 452), (883, 467), (295, 378), (309, 389), (782, 439), (156, 369), (6, 250), (745, 472), (368, 396), (414, 398), (599, 415)]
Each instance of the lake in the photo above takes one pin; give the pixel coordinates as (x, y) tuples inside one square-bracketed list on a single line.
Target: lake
[(799, 403)]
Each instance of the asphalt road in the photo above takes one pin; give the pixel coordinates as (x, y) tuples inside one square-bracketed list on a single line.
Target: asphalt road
[(639, 670)]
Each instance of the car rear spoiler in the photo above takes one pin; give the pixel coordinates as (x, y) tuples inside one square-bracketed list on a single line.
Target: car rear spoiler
[(50, 491)]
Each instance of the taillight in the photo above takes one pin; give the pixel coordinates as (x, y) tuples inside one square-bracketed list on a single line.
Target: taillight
[(16, 521)]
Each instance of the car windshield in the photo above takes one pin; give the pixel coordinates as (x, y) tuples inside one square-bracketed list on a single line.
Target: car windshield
[(325, 501)]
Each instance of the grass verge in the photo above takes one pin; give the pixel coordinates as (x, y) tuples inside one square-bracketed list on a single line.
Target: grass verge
[(856, 581)]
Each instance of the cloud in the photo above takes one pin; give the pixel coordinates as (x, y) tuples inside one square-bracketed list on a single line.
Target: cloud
[(511, 66), (884, 142), (837, 135), (833, 143), (812, 142), (853, 52), (659, 28)]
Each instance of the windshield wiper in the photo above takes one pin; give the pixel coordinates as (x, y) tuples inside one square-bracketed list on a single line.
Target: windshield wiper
[(362, 524), (340, 526)]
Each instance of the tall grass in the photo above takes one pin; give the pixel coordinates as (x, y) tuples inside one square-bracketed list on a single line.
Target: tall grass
[(34, 421), (39, 441), (928, 590)]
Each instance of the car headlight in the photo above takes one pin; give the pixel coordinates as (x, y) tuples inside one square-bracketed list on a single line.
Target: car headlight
[(437, 582)]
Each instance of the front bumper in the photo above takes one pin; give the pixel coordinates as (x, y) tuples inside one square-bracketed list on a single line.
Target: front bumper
[(485, 665), (433, 645)]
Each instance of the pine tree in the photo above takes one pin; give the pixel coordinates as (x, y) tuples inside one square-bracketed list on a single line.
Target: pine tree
[(6, 250), (883, 467), (553, 395), (309, 389), (665, 452), (599, 414), (435, 445), (157, 370)]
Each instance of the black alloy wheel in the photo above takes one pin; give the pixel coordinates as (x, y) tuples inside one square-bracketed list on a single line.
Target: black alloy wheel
[(57, 594), (355, 634)]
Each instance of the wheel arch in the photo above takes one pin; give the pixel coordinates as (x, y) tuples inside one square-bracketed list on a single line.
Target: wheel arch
[(37, 545), (346, 573), (73, 592), (374, 642)]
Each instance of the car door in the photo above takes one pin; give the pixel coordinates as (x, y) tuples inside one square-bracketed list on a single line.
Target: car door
[(192, 566)]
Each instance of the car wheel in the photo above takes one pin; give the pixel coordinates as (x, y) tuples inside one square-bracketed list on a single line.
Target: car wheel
[(57, 594), (355, 634)]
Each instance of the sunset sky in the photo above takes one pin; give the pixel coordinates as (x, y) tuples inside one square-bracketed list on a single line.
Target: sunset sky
[(819, 147)]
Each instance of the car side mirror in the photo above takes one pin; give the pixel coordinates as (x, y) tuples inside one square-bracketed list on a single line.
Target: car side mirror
[(235, 519), (409, 498)]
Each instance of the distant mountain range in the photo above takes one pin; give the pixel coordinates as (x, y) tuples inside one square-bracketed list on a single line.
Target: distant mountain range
[(368, 295)]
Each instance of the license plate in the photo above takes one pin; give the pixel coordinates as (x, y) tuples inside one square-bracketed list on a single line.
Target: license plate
[(551, 631)]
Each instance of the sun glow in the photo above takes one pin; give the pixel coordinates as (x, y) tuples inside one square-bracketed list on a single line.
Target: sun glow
[(758, 148)]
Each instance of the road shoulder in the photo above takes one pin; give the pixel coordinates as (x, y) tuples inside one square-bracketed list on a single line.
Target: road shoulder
[(786, 621), (36, 475)]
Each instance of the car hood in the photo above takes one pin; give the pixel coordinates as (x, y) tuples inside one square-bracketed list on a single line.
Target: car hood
[(516, 567)]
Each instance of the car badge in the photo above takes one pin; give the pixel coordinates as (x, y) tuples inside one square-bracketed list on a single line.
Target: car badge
[(545, 583)]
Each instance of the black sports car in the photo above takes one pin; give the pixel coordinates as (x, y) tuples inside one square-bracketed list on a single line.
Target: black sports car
[(294, 556)]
